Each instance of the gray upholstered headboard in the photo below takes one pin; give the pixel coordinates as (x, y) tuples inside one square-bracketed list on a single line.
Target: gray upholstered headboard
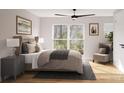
[(22, 39)]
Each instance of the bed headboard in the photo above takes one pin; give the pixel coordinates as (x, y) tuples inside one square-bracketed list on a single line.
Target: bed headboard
[(22, 39)]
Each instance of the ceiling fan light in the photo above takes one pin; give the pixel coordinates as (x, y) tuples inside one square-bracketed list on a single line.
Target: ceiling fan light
[(74, 18)]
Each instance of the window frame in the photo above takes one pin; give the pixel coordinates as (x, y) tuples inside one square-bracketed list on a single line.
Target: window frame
[(68, 35)]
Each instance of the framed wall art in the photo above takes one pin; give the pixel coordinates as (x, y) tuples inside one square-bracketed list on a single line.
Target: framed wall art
[(93, 29), (23, 26)]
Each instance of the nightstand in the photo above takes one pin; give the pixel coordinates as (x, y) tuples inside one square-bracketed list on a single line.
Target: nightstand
[(12, 66)]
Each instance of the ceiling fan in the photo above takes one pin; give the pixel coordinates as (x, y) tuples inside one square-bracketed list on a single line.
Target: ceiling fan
[(74, 16)]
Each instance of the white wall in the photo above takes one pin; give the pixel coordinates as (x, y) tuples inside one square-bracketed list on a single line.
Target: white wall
[(119, 39), (91, 42), (8, 27)]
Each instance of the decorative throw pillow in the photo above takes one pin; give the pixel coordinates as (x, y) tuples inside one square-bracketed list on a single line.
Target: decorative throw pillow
[(31, 48), (102, 45), (102, 50), (37, 48), (24, 48), (32, 42), (40, 48)]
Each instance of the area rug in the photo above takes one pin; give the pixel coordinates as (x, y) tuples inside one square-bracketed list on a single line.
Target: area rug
[(87, 75)]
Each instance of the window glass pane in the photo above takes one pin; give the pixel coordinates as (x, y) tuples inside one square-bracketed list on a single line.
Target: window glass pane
[(60, 44), (60, 31), (76, 45), (108, 31), (76, 32), (108, 27)]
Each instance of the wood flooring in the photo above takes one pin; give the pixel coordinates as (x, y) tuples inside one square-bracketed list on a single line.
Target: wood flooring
[(105, 73)]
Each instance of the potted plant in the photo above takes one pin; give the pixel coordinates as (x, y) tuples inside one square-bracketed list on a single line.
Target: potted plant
[(109, 36)]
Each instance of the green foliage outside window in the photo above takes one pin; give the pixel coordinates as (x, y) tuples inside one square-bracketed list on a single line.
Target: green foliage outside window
[(77, 45), (60, 44), (61, 37), (109, 36)]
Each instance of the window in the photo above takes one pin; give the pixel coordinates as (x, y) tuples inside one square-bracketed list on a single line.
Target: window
[(108, 27), (68, 37), (108, 32), (60, 37), (76, 37)]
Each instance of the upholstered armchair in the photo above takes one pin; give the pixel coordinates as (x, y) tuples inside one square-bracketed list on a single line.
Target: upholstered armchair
[(104, 54)]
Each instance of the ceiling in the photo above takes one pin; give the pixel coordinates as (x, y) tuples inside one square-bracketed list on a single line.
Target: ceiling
[(51, 12)]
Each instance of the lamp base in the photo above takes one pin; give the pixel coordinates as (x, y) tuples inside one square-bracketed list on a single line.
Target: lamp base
[(14, 52), (17, 51)]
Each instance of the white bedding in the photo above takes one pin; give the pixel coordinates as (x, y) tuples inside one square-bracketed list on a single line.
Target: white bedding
[(32, 58)]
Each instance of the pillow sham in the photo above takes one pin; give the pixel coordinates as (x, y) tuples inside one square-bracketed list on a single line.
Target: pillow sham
[(31, 48)]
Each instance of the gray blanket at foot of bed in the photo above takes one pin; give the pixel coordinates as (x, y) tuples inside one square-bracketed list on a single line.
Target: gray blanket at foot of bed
[(59, 54)]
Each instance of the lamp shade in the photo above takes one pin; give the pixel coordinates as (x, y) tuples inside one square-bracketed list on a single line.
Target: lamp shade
[(12, 42)]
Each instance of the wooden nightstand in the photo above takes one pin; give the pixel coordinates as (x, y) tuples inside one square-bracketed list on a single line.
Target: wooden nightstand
[(12, 66)]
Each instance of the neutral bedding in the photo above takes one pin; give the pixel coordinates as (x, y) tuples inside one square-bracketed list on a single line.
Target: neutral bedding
[(42, 61), (32, 58), (72, 63)]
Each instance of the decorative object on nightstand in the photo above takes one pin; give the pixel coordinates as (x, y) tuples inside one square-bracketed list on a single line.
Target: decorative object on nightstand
[(12, 43), (12, 66)]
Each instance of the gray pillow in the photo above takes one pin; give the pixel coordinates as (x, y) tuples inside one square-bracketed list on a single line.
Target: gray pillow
[(24, 48), (102, 50)]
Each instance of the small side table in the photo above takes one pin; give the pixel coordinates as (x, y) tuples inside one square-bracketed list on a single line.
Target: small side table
[(12, 66)]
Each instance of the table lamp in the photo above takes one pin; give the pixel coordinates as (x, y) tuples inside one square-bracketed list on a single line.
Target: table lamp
[(12, 43)]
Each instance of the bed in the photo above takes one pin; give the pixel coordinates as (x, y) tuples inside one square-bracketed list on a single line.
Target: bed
[(51, 60)]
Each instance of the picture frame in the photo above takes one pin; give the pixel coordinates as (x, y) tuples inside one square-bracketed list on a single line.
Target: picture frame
[(93, 29), (23, 26)]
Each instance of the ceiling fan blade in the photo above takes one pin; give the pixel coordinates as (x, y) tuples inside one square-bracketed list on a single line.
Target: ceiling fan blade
[(60, 15), (85, 15)]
